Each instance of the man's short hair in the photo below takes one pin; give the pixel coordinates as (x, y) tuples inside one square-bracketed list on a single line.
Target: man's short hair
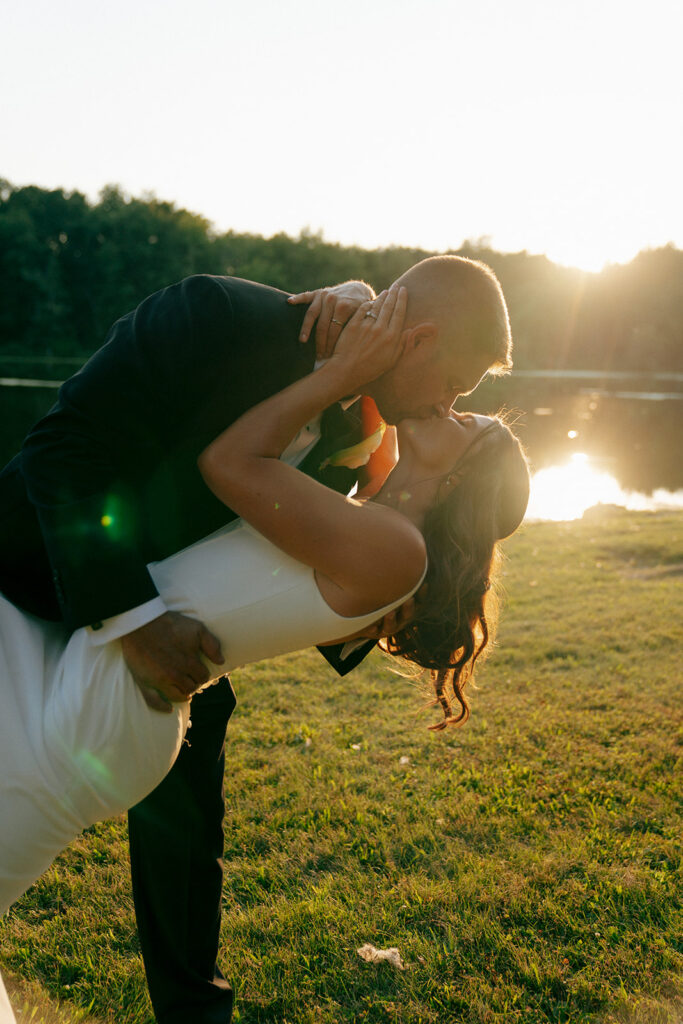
[(464, 298)]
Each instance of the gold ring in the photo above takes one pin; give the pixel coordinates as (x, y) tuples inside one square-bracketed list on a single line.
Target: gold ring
[(340, 322), (373, 315)]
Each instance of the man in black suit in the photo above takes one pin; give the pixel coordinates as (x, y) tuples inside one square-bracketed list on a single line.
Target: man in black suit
[(108, 481)]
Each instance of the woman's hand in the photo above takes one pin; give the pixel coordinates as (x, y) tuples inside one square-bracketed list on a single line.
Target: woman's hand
[(371, 343), (329, 309)]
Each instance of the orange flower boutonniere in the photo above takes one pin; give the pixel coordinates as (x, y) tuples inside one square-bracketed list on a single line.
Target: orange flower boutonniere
[(358, 454)]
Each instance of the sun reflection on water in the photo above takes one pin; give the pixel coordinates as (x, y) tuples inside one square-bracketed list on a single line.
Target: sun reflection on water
[(566, 491)]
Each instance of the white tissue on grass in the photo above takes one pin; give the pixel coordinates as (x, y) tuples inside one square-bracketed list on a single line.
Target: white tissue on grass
[(375, 956), (404, 760)]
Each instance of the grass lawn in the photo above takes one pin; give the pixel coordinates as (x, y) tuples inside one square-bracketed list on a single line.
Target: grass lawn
[(527, 866)]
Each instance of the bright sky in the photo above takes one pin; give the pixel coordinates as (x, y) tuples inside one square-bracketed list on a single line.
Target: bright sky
[(548, 125)]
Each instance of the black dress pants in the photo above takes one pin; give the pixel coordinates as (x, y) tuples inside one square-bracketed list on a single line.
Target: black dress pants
[(176, 853)]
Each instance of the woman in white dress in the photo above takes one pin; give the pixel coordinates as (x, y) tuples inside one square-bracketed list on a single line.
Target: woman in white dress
[(303, 566)]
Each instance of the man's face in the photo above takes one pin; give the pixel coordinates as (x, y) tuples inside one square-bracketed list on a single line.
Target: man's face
[(427, 380)]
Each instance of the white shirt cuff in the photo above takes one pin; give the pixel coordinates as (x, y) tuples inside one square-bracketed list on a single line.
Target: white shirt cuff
[(126, 622)]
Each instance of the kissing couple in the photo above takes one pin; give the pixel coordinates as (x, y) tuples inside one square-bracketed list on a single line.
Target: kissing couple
[(181, 512)]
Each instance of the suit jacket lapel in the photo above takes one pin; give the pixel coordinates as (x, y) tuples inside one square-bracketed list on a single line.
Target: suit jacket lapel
[(339, 428)]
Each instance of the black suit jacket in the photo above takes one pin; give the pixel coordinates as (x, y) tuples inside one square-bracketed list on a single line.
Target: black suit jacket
[(108, 480)]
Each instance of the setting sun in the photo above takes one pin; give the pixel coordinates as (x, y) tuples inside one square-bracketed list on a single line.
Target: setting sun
[(565, 492)]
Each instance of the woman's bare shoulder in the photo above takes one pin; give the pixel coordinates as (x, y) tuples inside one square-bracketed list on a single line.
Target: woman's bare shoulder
[(406, 543), (387, 561)]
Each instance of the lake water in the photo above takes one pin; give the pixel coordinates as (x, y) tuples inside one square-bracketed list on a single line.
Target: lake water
[(612, 439), (592, 438)]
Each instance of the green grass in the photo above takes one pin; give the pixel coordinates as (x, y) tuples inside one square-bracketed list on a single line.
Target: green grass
[(527, 867)]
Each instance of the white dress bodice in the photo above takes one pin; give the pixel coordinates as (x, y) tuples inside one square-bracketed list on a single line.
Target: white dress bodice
[(77, 741), (256, 600)]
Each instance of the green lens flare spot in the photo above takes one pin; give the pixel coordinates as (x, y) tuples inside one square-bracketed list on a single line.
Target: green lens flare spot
[(107, 520)]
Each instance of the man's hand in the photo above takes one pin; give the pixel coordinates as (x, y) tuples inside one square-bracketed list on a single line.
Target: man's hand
[(331, 308), (164, 658), (389, 625), (392, 622)]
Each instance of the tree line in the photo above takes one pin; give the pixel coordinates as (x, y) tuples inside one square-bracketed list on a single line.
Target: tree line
[(70, 267)]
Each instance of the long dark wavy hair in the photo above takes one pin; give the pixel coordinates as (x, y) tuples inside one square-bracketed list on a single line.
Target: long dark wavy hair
[(456, 613)]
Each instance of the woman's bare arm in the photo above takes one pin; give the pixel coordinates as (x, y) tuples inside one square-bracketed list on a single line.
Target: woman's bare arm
[(354, 545)]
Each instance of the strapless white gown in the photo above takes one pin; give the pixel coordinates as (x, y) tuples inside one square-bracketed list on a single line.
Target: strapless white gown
[(77, 741)]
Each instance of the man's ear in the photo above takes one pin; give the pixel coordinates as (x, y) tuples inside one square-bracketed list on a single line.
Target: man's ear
[(423, 334)]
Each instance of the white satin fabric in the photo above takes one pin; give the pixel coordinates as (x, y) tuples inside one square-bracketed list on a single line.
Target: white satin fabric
[(78, 743), (257, 600), (6, 1015)]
